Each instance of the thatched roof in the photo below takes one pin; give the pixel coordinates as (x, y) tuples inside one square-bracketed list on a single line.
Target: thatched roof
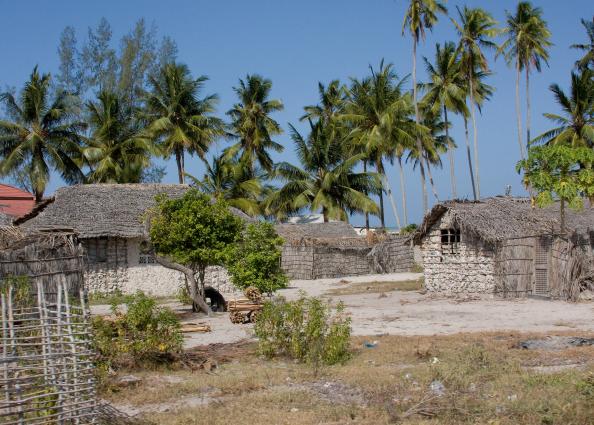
[(5, 220), (332, 230), (500, 218), (96, 210)]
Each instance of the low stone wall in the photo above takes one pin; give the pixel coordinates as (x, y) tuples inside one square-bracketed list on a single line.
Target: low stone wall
[(297, 261)]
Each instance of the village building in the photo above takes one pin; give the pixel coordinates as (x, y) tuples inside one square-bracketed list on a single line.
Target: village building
[(505, 246), (108, 220), (15, 202)]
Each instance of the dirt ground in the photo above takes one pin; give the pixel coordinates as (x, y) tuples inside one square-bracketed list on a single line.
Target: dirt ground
[(406, 312)]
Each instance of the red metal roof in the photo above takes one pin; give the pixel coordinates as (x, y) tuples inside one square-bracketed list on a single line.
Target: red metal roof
[(15, 202)]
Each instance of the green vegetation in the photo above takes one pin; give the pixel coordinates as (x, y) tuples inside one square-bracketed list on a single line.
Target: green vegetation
[(304, 330)]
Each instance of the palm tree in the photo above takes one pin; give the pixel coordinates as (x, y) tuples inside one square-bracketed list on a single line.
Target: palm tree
[(327, 180), (526, 44), (116, 151), (251, 124), (178, 118), (576, 124), (379, 112), (587, 61), (40, 134), (233, 182), (420, 15), (445, 92), (332, 102), (476, 28)]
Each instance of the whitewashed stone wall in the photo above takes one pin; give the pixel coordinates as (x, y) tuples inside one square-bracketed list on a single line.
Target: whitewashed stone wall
[(470, 270)]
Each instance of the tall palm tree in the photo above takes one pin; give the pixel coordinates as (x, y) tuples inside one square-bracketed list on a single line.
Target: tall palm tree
[(476, 30), (40, 134), (327, 180), (251, 124), (332, 102), (178, 118), (445, 92), (420, 15), (116, 151), (379, 112), (587, 61), (526, 45), (576, 123)]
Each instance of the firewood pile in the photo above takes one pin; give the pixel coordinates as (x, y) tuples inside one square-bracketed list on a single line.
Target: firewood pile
[(246, 310)]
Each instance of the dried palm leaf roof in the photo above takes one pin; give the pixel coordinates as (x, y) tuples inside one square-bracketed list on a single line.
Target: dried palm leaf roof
[(97, 210), (5, 220), (499, 218), (331, 230)]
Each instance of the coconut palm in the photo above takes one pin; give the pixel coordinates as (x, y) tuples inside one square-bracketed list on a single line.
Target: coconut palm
[(476, 30), (116, 151), (526, 46), (251, 124), (420, 16), (445, 91), (332, 102), (178, 118), (326, 181), (40, 134), (587, 61), (576, 121)]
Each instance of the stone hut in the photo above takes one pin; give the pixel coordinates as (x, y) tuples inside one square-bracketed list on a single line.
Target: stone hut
[(108, 221), (508, 247), (335, 249)]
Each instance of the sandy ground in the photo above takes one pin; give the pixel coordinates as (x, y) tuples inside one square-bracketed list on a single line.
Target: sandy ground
[(412, 313)]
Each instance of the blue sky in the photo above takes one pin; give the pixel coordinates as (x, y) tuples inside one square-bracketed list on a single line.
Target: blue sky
[(297, 44)]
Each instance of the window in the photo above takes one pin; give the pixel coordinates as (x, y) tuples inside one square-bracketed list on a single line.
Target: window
[(97, 250), (450, 241)]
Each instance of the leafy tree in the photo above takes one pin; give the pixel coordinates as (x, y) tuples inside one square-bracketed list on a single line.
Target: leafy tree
[(70, 77), (98, 60), (251, 124), (191, 233), (178, 118), (559, 172), (576, 124), (420, 15), (327, 182), (587, 61), (526, 44), (40, 134), (256, 259), (117, 151), (445, 91), (476, 30)]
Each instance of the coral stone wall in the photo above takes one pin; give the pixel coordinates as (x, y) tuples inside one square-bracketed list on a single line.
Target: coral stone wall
[(109, 276), (471, 269)]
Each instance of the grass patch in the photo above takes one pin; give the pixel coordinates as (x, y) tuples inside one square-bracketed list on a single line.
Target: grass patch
[(375, 287), (484, 382)]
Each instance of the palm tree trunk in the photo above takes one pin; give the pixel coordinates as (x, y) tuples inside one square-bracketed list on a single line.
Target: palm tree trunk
[(450, 154), (518, 111), (469, 158), (527, 107), (325, 214), (403, 191), (431, 180), (381, 199), (392, 201), (367, 194), (475, 140), (180, 166), (417, 121)]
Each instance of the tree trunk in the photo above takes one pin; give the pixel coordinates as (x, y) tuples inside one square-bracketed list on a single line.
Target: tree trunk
[(381, 199), (562, 210), (195, 293), (431, 180), (325, 214), (180, 166), (366, 214), (393, 202), (450, 154), (403, 191), (417, 121), (527, 107), (519, 111), (475, 140), (469, 158)]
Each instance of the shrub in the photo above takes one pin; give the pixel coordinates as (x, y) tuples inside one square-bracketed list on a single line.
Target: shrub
[(144, 333), (255, 260), (304, 330)]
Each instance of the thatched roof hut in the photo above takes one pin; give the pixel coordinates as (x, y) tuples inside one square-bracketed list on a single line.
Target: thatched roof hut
[(102, 210), (499, 218)]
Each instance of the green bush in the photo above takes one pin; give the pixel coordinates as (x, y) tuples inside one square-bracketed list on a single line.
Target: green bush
[(305, 330), (143, 333), (255, 260)]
